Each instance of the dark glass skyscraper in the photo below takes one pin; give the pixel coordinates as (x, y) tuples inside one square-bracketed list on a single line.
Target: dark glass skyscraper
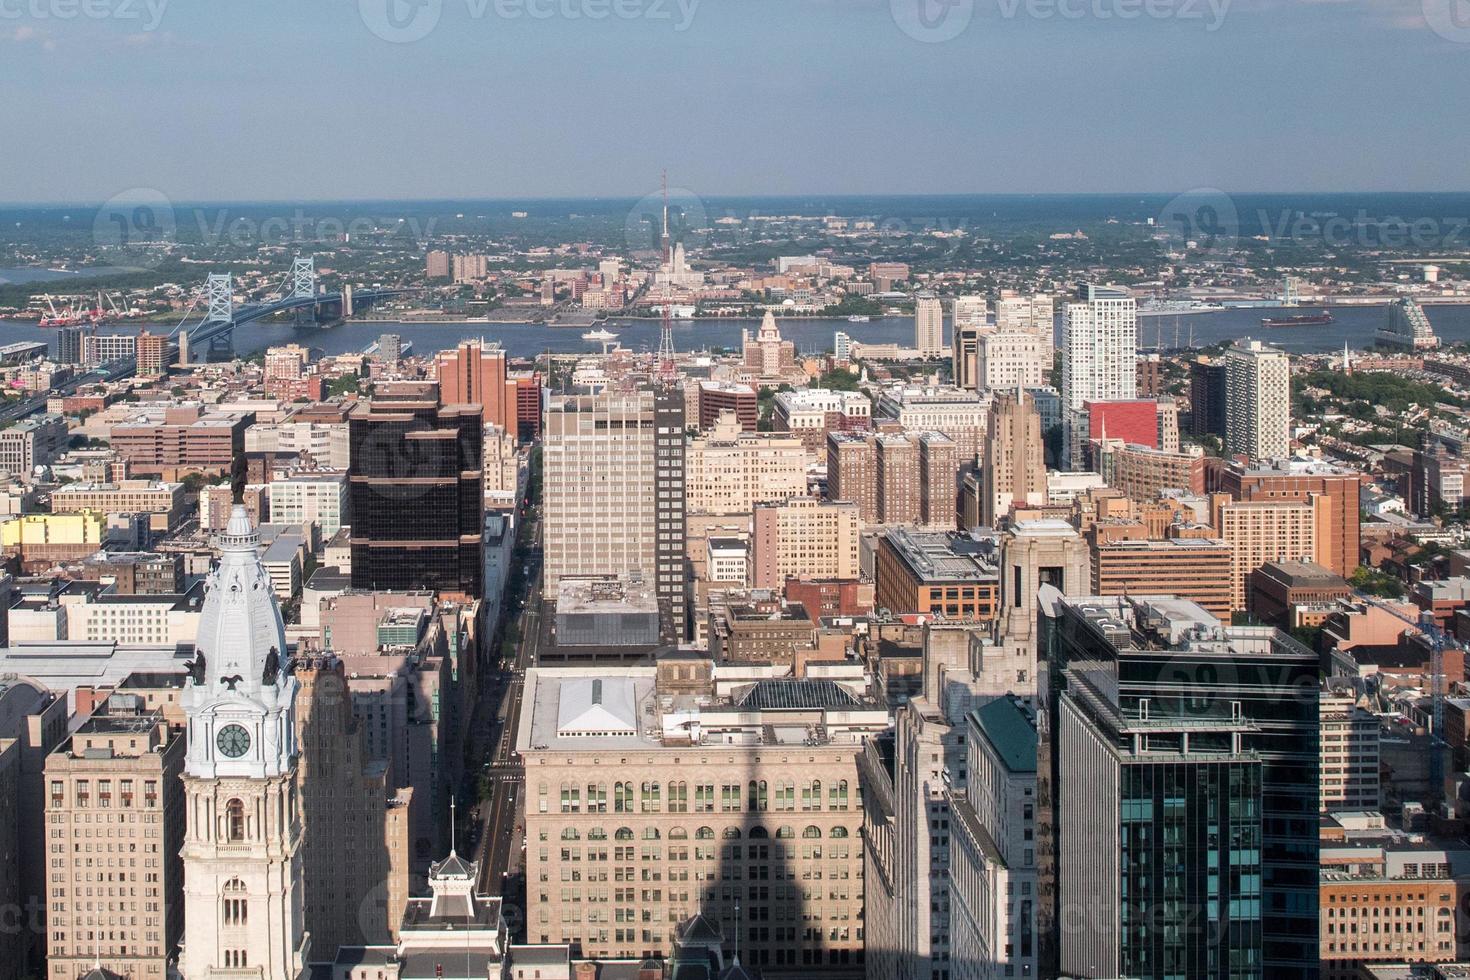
[(669, 489), (1179, 808), (1207, 398), (416, 494)]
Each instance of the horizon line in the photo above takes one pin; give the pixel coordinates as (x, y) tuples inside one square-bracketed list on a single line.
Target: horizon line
[(531, 199)]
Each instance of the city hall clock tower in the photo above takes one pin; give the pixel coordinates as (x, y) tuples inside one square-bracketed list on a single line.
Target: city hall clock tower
[(243, 905)]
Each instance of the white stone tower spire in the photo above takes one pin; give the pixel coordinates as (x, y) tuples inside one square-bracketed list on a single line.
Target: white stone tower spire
[(243, 910)]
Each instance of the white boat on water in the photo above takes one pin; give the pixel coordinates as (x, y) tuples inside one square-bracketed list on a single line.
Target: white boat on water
[(858, 318), (599, 336)]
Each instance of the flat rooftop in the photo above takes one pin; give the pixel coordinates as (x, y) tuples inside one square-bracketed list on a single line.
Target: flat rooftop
[(945, 556)]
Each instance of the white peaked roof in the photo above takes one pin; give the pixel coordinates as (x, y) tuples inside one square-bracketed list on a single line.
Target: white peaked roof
[(769, 330), (240, 622), (597, 706)]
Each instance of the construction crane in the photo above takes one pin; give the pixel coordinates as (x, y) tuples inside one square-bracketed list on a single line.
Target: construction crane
[(1439, 640)]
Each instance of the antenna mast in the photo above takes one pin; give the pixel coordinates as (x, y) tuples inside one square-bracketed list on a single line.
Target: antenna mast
[(666, 370)]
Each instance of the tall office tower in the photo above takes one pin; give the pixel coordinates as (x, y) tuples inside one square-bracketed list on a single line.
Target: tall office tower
[(68, 346), (474, 373), (121, 769), (1206, 397), (1099, 347), (970, 311), (1174, 747), (1257, 400), (939, 469), (965, 355), (929, 325), (415, 494), (1125, 560), (613, 472), (669, 512), (1014, 469), (349, 855), (243, 910)]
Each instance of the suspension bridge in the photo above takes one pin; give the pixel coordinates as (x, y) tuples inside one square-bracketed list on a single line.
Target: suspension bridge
[(299, 293)]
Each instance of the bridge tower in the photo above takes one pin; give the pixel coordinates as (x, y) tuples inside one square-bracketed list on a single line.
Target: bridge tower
[(304, 286), (303, 276), (219, 290)]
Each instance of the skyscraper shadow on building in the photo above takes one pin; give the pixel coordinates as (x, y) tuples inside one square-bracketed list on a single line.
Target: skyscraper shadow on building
[(781, 886), (354, 837)]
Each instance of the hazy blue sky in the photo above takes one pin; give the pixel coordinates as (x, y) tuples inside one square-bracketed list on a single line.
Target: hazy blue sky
[(300, 99)]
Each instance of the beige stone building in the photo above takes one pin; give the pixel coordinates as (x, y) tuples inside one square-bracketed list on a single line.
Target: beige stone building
[(729, 470), (653, 793), (1012, 359), (114, 827), (804, 537), (1015, 460)]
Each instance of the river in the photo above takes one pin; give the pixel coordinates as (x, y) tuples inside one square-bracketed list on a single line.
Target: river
[(1353, 325)]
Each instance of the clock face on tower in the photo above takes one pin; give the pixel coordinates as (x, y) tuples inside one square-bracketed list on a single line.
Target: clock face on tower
[(232, 741)]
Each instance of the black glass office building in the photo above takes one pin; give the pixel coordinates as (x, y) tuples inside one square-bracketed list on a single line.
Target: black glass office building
[(416, 496)]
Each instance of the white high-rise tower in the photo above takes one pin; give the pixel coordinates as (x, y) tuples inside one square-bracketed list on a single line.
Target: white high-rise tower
[(1099, 357), (1099, 346), (243, 907), (1258, 400)]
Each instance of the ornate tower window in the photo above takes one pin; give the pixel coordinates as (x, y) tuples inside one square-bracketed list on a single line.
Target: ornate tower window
[(236, 909), (234, 821)]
